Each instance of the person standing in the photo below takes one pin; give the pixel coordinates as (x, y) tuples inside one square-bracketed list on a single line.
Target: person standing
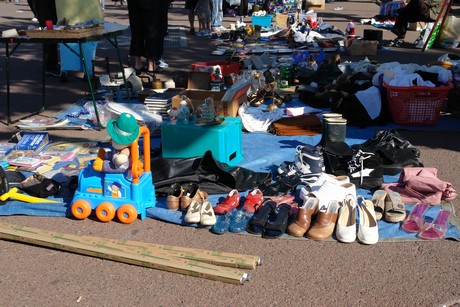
[(190, 5), (32, 4), (217, 15), (203, 11), (147, 33), (46, 10), (243, 8), (161, 64)]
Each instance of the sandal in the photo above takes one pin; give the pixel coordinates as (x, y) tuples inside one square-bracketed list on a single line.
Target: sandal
[(275, 229), (257, 223), (378, 199), (437, 228), (240, 221), (253, 201), (414, 221), (222, 224), (231, 202), (395, 210)]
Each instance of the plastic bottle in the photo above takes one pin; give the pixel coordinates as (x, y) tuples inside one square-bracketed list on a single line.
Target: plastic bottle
[(350, 30)]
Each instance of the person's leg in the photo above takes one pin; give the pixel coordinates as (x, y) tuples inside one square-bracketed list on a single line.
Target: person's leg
[(46, 10), (191, 20), (154, 32), (163, 24), (190, 5), (136, 49)]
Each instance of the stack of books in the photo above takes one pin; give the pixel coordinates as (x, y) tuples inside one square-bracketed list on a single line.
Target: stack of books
[(159, 102)]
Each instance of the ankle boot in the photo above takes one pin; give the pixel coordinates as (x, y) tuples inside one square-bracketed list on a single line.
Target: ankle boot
[(326, 116), (336, 130)]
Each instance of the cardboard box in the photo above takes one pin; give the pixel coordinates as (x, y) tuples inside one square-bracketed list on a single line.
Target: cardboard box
[(416, 26), (222, 107), (361, 47)]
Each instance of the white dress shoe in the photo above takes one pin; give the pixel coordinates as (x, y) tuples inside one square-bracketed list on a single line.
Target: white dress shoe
[(345, 230), (368, 230), (193, 214), (207, 216)]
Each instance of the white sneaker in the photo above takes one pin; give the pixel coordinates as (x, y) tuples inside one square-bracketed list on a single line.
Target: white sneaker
[(329, 191), (219, 29), (162, 64), (34, 19), (368, 230), (193, 214), (338, 180), (207, 216), (345, 230)]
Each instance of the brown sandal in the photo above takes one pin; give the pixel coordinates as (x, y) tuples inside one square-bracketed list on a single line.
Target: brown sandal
[(395, 211), (378, 199)]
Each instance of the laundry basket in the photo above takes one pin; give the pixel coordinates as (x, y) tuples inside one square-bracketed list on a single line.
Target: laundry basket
[(416, 105)]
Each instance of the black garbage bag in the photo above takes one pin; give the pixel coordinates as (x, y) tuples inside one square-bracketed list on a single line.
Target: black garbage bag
[(211, 176)]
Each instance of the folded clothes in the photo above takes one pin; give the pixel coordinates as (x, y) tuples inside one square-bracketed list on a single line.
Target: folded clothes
[(421, 184)]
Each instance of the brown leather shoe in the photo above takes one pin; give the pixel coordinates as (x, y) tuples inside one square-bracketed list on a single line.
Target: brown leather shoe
[(191, 193), (300, 226), (174, 195), (323, 228)]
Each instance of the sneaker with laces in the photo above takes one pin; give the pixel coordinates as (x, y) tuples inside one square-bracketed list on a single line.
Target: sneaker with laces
[(365, 169), (395, 43), (308, 163)]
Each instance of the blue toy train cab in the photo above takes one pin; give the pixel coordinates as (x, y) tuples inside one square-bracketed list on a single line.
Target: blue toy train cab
[(126, 195)]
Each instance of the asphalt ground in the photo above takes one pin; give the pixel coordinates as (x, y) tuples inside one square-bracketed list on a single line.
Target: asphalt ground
[(294, 272)]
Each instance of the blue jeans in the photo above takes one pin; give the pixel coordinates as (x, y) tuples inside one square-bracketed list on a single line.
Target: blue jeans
[(217, 14)]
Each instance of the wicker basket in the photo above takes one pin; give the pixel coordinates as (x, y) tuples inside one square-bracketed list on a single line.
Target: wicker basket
[(416, 105)]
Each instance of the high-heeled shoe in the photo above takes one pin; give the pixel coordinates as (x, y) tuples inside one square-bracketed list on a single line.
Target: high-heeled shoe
[(435, 230), (414, 221)]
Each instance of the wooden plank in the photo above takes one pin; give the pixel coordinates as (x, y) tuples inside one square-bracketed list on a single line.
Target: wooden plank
[(155, 260), (213, 257), (139, 253)]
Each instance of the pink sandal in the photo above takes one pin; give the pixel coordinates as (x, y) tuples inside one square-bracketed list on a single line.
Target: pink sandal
[(435, 230), (415, 219)]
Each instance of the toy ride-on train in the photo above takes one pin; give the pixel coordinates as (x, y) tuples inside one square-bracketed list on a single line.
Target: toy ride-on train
[(125, 195)]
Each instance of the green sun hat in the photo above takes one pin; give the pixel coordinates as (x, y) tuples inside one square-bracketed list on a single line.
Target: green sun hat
[(124, 130)]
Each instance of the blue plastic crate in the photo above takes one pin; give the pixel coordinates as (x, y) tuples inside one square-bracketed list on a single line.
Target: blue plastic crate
[(190, 140), (263, 21)]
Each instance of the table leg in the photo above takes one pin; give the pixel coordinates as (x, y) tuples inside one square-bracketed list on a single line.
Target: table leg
[(88, 78)]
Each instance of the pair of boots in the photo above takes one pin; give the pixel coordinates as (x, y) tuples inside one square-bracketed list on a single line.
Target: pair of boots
[(364, 169)]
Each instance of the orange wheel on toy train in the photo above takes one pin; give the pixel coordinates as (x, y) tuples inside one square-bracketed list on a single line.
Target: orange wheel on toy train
[(127, 214), (105, 212), (81, 209)]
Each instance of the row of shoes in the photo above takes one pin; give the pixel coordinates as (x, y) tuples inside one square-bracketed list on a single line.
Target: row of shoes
[(237, 220), (338, 216), (180, 197)]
